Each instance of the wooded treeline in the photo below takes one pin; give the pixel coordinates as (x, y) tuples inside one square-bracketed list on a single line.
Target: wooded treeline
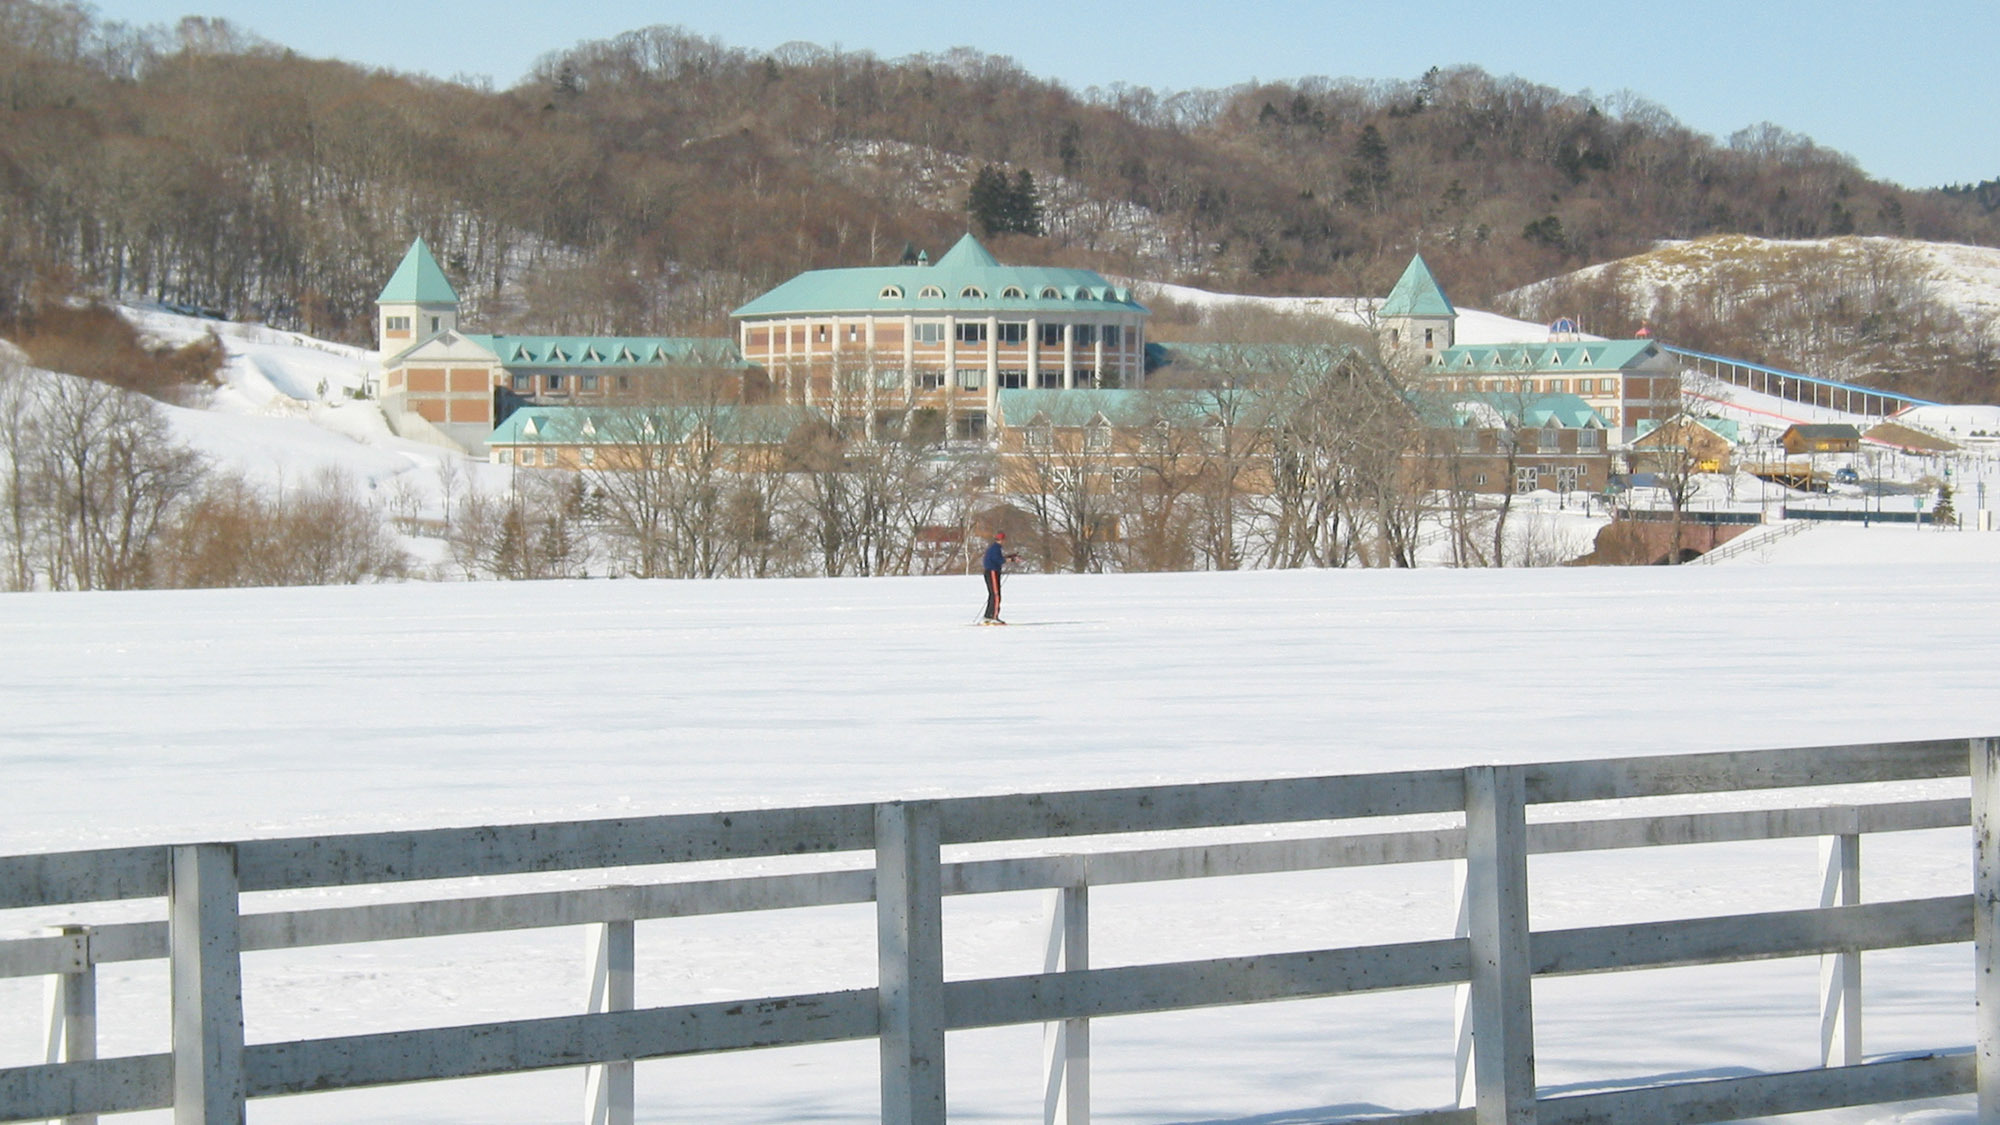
[(649, 182)]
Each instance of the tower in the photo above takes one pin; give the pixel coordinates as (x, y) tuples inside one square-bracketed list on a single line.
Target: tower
[(417, 304), (1415, 318)]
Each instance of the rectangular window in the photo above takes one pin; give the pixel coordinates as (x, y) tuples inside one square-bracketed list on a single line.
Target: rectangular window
[(819, 333), (1097, 439), (1013, 332), (1559, 386), (971, 332), (503, 457), (1430, 337), (434, 324), (1049, 380), (588, 455), (1035, 437), (555, 383), (1551, 441), (1052, 335), (1526, 479), (853, 333), (523, 384), (548, 457), (1586, 441), (586, 382), (930, 332), (1086, 335), (1114, 336), (399, 324), (624, 382), (971, 378), (1013, 380), (1468, 440), (972, 425), (930, 380)]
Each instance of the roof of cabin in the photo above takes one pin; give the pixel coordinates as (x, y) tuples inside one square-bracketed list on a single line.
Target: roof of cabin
[(968, 278), (418, 280), (1416, 293), (611, 351)]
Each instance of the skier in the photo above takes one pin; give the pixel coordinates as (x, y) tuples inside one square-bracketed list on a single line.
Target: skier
[(996, 558)]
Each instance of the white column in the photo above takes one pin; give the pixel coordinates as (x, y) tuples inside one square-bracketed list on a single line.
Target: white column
[(205, 969), (992, 370), (1069, 357), (909, 934), (950, 373), (1840, 973), (909, 359), (607, 1088), (1034, 352), (1461, 1001), (1496, 888), (1097, 354)]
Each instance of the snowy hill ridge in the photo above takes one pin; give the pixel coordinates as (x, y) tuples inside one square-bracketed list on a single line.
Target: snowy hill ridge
[(1962, 279)]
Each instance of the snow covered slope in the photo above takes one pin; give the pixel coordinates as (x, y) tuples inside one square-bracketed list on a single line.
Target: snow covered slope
[(1474, 326), (218, 714)]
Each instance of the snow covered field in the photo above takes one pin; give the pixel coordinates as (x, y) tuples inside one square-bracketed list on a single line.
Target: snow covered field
[(212, 715)]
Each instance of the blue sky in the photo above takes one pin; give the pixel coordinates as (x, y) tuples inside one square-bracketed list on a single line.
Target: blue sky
[(1910, 90)]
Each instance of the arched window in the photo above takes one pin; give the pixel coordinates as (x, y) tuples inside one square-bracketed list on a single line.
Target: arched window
[(1012, 293), (1051, 294), (931, 291), (891, 292), (972, 291)]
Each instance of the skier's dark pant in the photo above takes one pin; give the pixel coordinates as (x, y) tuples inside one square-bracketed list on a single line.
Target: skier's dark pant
[(992, 595)]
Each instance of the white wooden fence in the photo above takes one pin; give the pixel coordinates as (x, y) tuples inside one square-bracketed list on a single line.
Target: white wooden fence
[(209, 1073)]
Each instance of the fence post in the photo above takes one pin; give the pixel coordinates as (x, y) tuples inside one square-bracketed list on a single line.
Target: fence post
[(1066, 1043), (909, 935), (1461, 1001), (1986, 921), (73, 1012), (1840, 973), (1496, 886), (607, 1087), (206, 969)]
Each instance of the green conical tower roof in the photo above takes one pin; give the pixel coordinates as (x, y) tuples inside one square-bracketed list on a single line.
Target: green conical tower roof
[(968, 254), (419, 280), (1417, 293)]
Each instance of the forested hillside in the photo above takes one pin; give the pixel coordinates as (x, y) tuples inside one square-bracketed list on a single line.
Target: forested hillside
[(650, 182)]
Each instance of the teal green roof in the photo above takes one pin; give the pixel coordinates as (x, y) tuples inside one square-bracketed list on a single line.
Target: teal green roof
[(1569, 357), (1473, 407), (1416, 294), (967, 279), (1724, 428), (1080, 407), (632, 425), (419, 280), (611, 351)]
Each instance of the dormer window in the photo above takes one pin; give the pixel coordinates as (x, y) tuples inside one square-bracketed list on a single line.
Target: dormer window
[(932, 292), (892, 292), (1051, 294), (972, 292), (1097, 438), (1012, 293)]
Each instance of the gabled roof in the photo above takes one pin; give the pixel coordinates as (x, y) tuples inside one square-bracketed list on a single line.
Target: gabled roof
[(1825, 431), (418, 280), (595, 352), (1416, 293), (1487, 410), (967, 279), (1725, 428), (664, 424), (1565, 358)]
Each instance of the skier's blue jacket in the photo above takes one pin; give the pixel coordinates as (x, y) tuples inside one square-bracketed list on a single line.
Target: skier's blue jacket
[(996, 556)]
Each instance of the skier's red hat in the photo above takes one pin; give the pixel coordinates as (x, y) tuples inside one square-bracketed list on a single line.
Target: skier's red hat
[(999, 536)]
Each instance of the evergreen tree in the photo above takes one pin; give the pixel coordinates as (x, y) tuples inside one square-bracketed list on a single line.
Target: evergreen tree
[(987, 201)]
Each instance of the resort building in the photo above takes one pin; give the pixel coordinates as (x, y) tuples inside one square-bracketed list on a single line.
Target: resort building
[(453, 387), (949, 337)]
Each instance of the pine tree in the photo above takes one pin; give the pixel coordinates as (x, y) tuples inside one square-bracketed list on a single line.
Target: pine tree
[(986, 204)]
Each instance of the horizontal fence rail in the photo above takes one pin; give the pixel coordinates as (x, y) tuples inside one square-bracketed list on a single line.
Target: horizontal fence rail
[(210, 1072)]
